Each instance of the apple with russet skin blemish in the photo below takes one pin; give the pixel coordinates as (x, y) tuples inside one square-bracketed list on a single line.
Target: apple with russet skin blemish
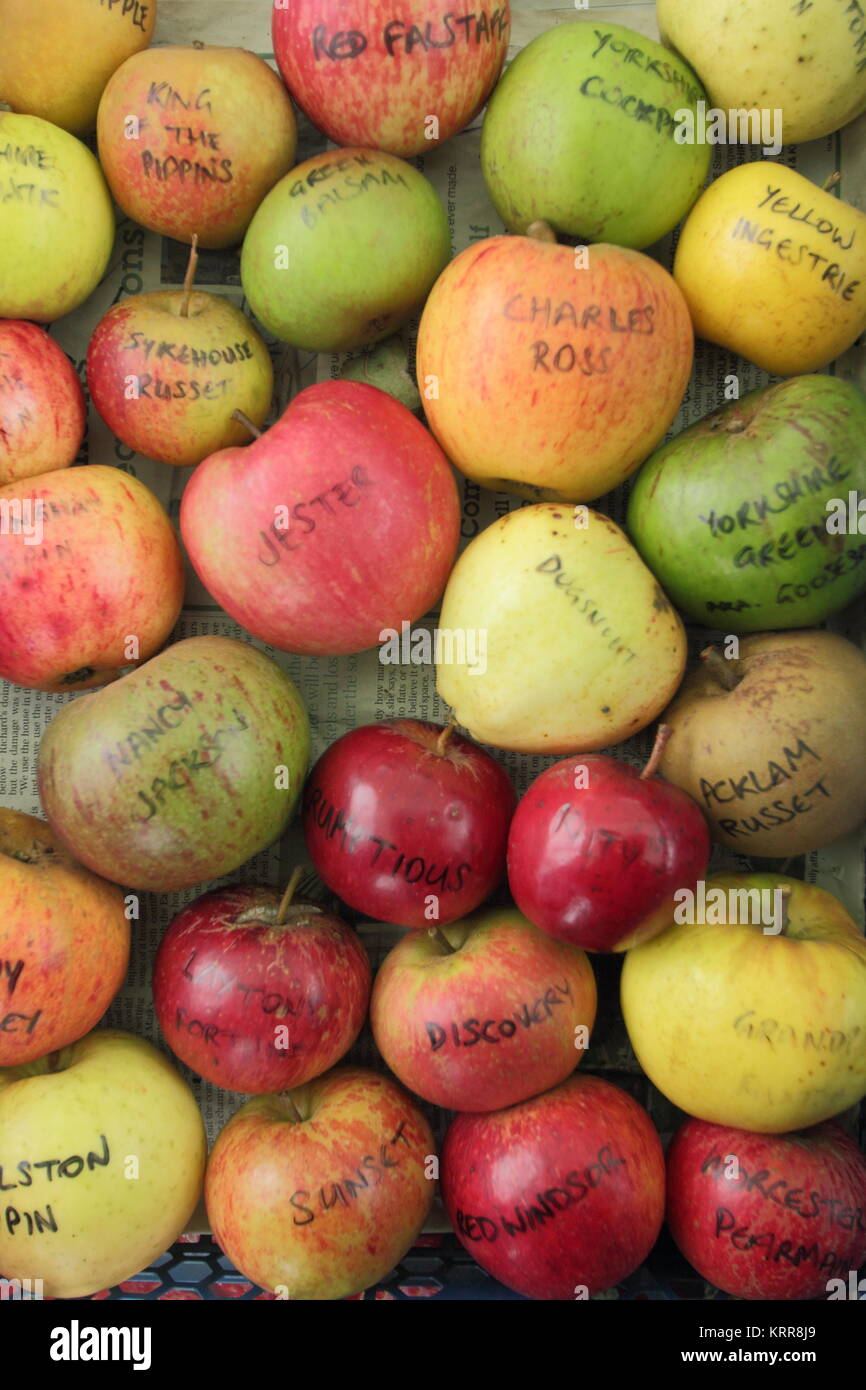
[(42, 411)]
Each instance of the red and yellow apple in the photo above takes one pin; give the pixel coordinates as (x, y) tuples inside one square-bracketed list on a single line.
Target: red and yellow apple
[(42, 412)]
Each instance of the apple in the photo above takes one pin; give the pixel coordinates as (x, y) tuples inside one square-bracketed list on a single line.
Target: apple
[(763, 742), (258, 995), (365, 77), (407, 822), (341, 521), (56, 220), (102, 1155), (566, 605), (385, 365), (42, 411), (559, 1197), (91, 577), (750, 487), (581, 133), (329, 277), (482, 1013), (768, 1216), (810, 69), (319, 1192), (191, 139), (64, 942), (180, 771), (757, 1024), (550, 379), (597, 850), (774, 268), (56, 59), (167, 370)]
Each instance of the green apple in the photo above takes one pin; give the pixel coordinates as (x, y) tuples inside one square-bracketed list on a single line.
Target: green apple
[(56, 220), (731, 515), (180, 771), (581, 648), (102, 1156), (343, 250), (387, 366), (580, 133)]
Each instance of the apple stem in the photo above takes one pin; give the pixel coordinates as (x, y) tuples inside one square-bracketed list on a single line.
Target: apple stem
[(442, 740), (285, 901), (541, 231), (785, 891), (662, 735), (245, 420), (725, 669), (292, 1108), (832, 181), (54, 1060), (442, 939), (191, 266)]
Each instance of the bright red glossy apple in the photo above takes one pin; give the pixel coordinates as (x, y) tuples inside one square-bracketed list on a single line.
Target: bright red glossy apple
[(339, 522), (406, 821), (483, 1013), (597, 850), (560, 1197), (42, 414), (257, 995), (768, 1215)]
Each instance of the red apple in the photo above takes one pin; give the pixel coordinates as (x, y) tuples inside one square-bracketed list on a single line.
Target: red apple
[(317, 1193), (768, 1216), (597, 850), (560, 1197), (64, 942), (407, 822), (367, 74), (42, 413), (256, 995), (483, 1013), (339, 522)]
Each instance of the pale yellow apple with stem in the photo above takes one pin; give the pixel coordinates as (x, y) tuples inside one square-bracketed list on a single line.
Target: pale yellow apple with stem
[(741, 1024), (582, 648), (102, 1154), (774, 268)]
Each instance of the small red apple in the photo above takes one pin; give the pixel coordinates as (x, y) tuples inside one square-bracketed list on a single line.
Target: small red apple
[(768, 1216), (597, 850), (256, 995), (560, 1197), (483, 1013), (42, 412), (407, 822)]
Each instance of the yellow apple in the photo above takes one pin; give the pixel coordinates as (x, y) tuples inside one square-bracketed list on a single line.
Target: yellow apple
[(102, 1154), (581, 647), (55, 59), (774, 268), (761, 1029), (807, 60)]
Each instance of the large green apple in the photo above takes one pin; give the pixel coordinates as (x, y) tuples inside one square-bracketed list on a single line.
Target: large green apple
[(343, 250), (731, 515), (102, 1154), (581, 133), (56, 220), (180, 771)]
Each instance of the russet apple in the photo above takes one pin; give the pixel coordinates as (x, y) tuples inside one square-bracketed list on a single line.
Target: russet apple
[(319, 1192), (191, 139), (581, 132), (559, 1197), (367, 76), (91, 577), (482, 1013), (64, 942), (759, 1024), (768, 1216), (42, 411), (102, 1156), (583, 648), (56, 220), (550, 379), (344, 250), (774, 268), (56, 59), (339, 522), (257, 993), (180, 771)]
